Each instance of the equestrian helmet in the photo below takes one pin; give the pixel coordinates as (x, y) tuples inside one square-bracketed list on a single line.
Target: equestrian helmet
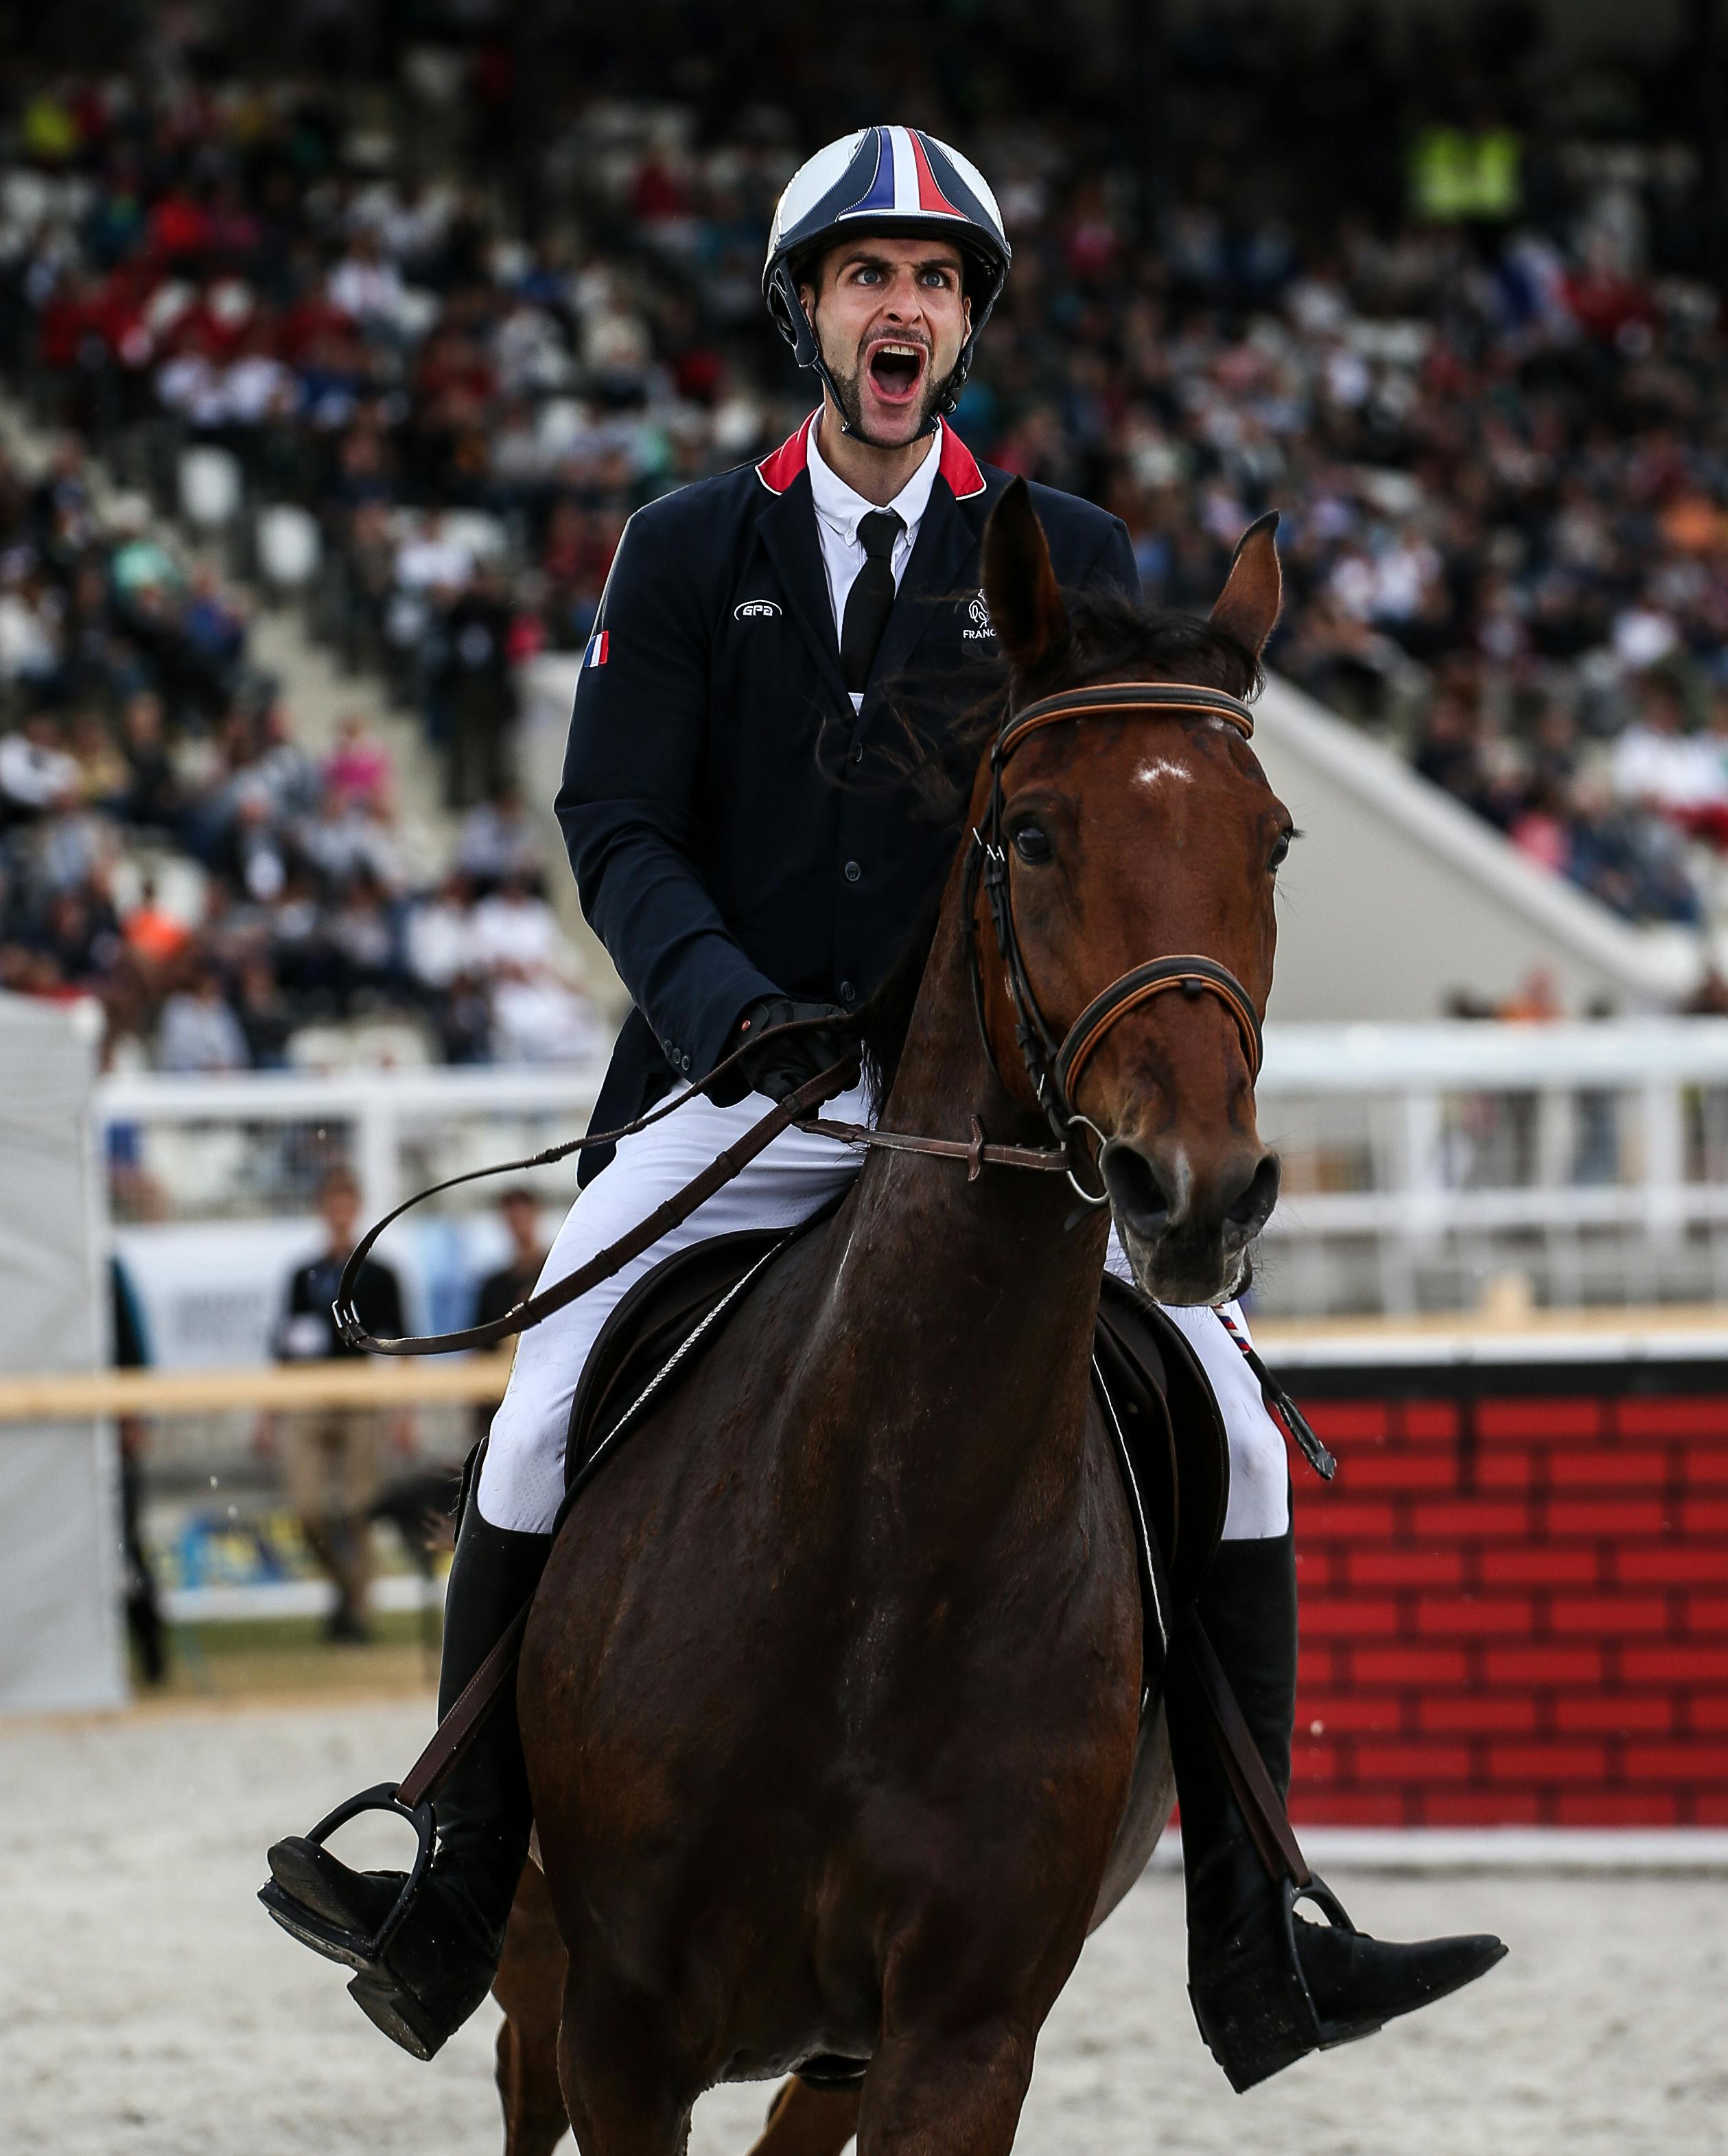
[(897, 180)]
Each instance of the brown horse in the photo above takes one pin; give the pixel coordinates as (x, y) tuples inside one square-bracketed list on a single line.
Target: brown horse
[(831, 1694)]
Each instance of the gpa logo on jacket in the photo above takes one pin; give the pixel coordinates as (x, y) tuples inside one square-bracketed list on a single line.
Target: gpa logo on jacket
[(756, 610), (977, 615)]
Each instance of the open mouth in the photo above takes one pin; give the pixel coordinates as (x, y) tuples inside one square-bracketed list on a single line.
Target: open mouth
[(896, 371)]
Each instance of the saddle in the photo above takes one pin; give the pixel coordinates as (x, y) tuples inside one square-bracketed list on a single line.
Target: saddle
[(1166, 1432)]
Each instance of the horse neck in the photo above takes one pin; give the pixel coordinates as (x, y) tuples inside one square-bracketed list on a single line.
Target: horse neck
[(983, 1294)]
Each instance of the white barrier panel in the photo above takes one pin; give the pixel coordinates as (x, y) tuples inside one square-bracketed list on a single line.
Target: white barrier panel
[(60, 1587), (1425, 1166)]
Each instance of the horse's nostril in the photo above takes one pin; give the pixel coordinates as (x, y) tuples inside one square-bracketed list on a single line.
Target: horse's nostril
[(1137, 1190), (1253, 1207)]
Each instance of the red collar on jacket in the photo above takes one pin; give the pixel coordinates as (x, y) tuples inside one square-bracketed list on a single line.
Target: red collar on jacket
[(957, 463)]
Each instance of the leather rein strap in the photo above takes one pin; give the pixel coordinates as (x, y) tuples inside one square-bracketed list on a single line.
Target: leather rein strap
[(725, 1165)]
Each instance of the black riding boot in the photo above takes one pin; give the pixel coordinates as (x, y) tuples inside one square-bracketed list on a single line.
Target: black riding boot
[(439, 1964), (1268, 1986)]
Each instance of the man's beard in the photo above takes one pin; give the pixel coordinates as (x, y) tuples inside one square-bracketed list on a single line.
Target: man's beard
[(851, 404)]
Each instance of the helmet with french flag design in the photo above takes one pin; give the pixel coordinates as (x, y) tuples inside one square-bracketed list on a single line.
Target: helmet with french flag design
[(893, 180)]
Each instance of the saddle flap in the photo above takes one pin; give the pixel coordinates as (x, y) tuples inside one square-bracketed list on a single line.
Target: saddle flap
[(1174, 1431), (652, 1320)]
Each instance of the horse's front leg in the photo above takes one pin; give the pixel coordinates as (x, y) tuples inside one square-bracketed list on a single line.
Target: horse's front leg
[(807, 2122), (628, 2087), (946, 2092)]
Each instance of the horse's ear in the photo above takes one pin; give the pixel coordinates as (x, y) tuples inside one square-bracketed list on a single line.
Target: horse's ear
[(1020, 589), (1254, 591)]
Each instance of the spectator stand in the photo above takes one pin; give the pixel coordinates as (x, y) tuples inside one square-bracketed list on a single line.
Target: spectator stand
[(169, 843), (1484, 409)]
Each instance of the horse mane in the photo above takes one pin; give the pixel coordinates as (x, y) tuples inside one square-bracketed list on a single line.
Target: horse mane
[(938, 754)]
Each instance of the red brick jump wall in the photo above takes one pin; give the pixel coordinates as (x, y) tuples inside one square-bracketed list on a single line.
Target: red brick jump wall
[(1514, 1610)]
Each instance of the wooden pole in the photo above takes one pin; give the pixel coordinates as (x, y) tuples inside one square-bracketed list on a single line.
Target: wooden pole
[(73, 1396)]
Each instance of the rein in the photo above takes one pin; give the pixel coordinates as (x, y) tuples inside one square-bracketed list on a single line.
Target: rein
[(1052, 1066)]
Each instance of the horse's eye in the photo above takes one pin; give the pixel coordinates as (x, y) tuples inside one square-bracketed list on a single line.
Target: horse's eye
[(1032, 844), (1280, 852)]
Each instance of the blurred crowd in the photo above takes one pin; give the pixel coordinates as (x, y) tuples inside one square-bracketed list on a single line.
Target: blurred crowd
[(1451, 307), (168, 845)]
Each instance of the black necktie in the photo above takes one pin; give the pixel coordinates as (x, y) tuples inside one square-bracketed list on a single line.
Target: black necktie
[(869, 601)]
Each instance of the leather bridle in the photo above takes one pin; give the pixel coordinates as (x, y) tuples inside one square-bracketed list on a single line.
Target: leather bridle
[(1054, 1066)]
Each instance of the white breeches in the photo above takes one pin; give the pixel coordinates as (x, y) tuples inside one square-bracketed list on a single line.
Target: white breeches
[(522, 1480)]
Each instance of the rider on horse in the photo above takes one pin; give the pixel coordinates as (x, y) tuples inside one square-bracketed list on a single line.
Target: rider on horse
[(742, 872)]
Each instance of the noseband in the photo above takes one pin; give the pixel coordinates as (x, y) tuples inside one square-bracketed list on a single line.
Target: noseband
[(1053, 1066)]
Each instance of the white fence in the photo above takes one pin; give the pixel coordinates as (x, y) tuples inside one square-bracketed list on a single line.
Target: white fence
[(1422, 1164)]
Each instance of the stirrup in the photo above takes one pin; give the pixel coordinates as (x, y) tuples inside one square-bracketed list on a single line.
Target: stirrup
[(360, 1950), (1274, 2022)]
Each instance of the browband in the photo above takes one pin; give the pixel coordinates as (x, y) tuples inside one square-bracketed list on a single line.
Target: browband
[(1121, 697)]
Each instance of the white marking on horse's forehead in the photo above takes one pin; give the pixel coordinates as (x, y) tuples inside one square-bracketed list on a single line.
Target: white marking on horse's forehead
[(1157, 768)]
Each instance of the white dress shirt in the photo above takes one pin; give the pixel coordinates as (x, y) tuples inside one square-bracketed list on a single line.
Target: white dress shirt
[(839, 510)]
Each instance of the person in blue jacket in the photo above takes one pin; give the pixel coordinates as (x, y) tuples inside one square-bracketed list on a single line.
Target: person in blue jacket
[(740, 670)]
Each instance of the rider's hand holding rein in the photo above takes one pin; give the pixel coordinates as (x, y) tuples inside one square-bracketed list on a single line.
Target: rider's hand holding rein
[(780, 1065)]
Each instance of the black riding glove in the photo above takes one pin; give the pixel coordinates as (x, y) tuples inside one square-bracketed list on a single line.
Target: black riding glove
[(780, 1067)]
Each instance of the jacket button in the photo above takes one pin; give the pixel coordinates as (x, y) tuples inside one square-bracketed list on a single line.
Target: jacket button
[(852, 871), (858, 752), (848, 994), (683, 1063)]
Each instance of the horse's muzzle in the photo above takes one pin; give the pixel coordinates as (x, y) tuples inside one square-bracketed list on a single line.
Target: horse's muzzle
[(1184, 1230)]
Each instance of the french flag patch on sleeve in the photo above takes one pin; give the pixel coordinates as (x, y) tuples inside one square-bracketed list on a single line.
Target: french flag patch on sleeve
[(595, 655)]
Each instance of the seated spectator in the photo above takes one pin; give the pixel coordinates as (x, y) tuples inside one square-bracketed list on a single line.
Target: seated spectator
[(1656, 764), (358, 768), (430, 561), (497, 840), (367, 287), (438, 938), (103, 774), (515, 927), (152, 798), (30, 648), (255, 853), (349, 838), (156, 935), (537, 1019), (79, 935), (1541, 832), (265, 1017), (36, 774), (198, 1031), (363, 936)]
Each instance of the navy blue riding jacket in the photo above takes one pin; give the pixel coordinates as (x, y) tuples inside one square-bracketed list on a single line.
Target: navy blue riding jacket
[(716, 858)]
